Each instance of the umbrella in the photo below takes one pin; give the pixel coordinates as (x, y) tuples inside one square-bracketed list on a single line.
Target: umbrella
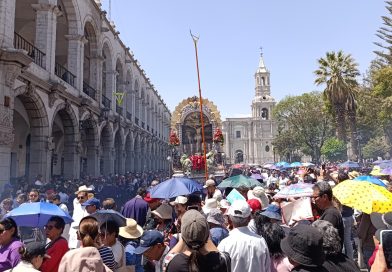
[(105, 215), (370, 179), (296, 164), (238, 166), (37, 214), (376, 171), (307, 164), (363, 196), (281, 163), (349, 164), (268, 165), (385, 164), (175, 187), (238, 181), (295, 190), (387, 171), (256, 176)]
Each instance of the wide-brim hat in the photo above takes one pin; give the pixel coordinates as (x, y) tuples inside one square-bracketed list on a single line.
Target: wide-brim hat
[(259, 194), (164, 211), (132, 230), (83, 188), (304, 245), (210, 203)]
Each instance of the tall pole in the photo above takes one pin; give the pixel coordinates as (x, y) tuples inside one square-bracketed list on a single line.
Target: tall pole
[(195, 40)]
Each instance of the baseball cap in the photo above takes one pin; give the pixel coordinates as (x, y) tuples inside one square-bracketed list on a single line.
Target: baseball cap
[(149, 238), (209, 182), (149, 199), (92, 201), (254, 204), (240, 208), (194, 229)]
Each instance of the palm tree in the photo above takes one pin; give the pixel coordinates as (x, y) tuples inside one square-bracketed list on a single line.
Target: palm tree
[(339, 71)]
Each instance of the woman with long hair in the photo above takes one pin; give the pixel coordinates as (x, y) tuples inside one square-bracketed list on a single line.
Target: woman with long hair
[(91, 255), (9, 244), (197, 256)]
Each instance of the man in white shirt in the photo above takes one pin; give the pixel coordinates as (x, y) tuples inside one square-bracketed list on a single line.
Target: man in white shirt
[(248, 251), (78, 213), (212, 191)]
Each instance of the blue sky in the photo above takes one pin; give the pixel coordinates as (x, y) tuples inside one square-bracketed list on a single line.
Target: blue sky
[(293, 34)]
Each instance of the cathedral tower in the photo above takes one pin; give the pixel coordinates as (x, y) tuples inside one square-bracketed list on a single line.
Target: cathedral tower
[(263, 101)]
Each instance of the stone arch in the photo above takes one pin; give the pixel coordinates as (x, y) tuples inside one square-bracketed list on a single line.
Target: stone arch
[(37, 159), (264, 114), (73, 16), (107, 69), (64, 137), (137, 151), (119, 160), (90, 53), (106, 149), (88, 147), (238, 156)]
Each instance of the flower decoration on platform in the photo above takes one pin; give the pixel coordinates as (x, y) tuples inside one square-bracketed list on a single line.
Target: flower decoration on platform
[(198, 162), (218, 136), (173, 140)]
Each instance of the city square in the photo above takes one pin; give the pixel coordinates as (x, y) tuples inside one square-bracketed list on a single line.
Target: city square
[(208, 137)]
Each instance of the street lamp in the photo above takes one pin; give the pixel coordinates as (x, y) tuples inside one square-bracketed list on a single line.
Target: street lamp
[(170, 161)]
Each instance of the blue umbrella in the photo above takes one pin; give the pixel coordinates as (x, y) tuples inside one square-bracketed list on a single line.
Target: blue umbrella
[(385, 164), (37, 214), (370, 179), (349, 164), (105, 215), (175, 187), (296, 164), (281, 163)]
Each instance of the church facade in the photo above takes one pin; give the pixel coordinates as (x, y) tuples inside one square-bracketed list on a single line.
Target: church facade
[(249, 140)]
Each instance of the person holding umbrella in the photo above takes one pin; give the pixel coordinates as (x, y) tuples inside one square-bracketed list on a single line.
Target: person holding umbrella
[(57, 247), (109, 233), (130, 235), (10, 244)]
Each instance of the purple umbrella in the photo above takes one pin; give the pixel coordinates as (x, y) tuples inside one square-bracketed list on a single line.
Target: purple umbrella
[(387, 171), (256, 176)]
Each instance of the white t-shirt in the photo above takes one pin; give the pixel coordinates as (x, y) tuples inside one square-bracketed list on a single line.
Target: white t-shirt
[(119, 255)]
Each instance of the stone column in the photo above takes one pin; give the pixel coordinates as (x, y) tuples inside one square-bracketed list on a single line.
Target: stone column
[(45, 31), (71, 159), (93, 155), (76, 57), (7, 22)]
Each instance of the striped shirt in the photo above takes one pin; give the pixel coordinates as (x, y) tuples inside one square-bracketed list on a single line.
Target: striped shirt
[(107, 257)]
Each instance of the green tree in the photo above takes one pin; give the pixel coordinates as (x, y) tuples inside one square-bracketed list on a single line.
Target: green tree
[(286, 145), (385, 34), (376, 147), (305, 120), (334, 149), (338, 72)]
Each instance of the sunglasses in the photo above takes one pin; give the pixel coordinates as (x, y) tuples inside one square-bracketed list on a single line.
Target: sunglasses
[(81, 197)]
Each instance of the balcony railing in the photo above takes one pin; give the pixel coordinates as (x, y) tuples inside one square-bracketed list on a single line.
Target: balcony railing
[(142, 124), (136, 121), (90, 91), (64, 74), (152, 131), (129, 116), (148, 128), (106, 102), (119, 109), (32, 51)]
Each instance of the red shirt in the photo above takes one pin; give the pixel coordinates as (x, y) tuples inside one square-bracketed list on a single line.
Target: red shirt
[(56, 251)]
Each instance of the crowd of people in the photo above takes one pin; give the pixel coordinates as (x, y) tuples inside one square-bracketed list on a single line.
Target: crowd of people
[(201, 231)]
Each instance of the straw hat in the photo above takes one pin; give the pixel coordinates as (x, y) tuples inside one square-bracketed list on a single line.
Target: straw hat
[(353, 174), (164, 211), (259, 193), (132, 230), (83, 188)]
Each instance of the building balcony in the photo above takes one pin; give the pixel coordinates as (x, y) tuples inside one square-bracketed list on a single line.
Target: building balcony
[(64, 74), (142, 125), (119, 109), (90, 91), (32, 51), (136, 121), (106, 102), (148, 128)]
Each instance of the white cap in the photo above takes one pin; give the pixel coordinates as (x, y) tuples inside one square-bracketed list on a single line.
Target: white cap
[(210, 203), (209, 182), (240, 208)]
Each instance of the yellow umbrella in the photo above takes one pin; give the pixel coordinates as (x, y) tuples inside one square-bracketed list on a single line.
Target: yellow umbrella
[(376, 171), (364, 196)]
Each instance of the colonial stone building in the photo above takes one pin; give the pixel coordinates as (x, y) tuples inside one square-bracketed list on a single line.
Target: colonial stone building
[(249, 139), (62, 66)]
